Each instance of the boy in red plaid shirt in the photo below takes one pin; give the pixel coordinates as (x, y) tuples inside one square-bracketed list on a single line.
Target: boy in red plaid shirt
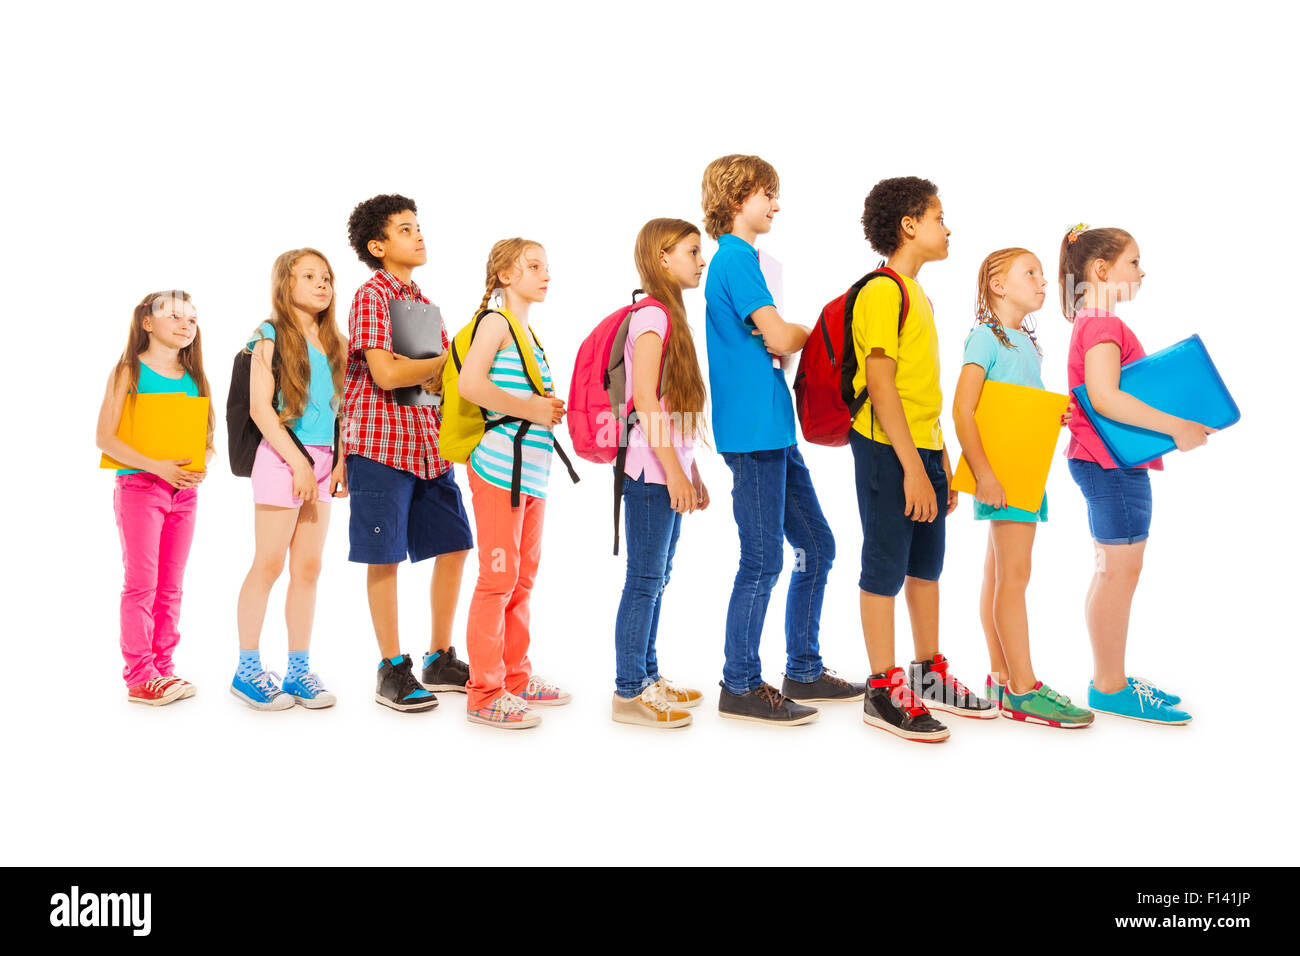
[(404, 496)]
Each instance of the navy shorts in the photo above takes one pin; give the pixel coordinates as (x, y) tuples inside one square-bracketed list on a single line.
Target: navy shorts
[(395, 514), (1119, 501), (895, 547)]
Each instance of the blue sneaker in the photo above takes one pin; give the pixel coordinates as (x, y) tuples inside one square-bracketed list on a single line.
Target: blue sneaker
[(261, 691), (1138, 701), (1173, 700), (309, 691)]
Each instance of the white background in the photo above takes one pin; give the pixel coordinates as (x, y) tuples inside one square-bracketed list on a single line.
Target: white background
[(159, 146)]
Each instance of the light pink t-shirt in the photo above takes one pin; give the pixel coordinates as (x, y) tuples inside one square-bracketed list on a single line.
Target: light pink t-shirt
[(641, 460), (1092, 327)]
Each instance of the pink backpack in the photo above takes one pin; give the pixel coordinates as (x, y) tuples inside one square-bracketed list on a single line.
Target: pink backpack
[(597, 417)]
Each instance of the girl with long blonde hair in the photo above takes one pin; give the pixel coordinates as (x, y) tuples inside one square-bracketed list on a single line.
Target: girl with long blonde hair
[(661, 481), (295, 387)]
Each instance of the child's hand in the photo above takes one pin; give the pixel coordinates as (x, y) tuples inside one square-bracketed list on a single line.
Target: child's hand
[(920, 503), (952, 499), (1188, 434), (989, 491), (339, 481), (545, 410), (770, 350), (701, 492), (1068, 416), (681, 493), (175, 475), (304, 482)]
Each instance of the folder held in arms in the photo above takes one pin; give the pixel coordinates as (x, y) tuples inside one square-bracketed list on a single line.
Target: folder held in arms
[(167, 426), (417, 334), (1019, 427)]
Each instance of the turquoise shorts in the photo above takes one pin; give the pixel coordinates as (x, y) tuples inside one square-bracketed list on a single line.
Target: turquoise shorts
[(985, 512)]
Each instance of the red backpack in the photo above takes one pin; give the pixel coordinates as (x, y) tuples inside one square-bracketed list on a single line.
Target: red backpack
[(823, 384), (597, 416)]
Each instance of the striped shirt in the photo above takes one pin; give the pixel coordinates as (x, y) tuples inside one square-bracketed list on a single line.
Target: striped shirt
[(494, 458)]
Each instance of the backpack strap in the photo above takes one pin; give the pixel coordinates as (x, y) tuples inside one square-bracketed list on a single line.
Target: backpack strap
[(905, 306)]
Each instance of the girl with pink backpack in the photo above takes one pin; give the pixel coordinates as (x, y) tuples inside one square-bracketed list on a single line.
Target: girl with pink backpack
[(664, 398)]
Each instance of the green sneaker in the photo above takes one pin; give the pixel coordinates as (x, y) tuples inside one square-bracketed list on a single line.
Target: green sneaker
[(1042, 705), (993, 690)]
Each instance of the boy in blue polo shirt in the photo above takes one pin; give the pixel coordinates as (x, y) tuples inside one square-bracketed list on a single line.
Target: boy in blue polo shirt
[(753, 425)]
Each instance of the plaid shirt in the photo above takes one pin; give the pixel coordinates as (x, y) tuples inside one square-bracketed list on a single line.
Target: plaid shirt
[(400, 436)]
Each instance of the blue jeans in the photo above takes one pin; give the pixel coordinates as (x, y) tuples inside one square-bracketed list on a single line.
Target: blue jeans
[(652, 528), (773, 500)]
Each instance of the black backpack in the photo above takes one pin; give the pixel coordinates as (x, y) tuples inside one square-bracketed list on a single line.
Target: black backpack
[(243, 434)]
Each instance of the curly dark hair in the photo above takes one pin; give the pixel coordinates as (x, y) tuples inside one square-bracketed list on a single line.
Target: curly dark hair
[(886, 205), (370, 221)]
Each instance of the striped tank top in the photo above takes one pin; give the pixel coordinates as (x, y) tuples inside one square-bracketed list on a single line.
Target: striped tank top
[(494, 458)]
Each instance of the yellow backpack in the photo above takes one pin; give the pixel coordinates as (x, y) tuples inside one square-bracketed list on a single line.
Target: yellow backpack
[(464, 424)]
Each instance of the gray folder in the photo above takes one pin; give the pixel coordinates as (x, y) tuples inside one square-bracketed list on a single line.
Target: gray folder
[(417, 334)]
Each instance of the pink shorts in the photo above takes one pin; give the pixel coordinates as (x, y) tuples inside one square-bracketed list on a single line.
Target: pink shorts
[(273, 478)]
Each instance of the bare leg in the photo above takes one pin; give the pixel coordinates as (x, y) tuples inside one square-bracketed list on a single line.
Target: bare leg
[(272, 532), (1013, 544), (1109, 601), (923, 609), (304, 571), (444, 592), (997, 663), (381, 591), (878, 630)]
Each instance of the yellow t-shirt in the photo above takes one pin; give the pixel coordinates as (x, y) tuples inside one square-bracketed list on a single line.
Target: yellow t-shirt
[(915, 350)]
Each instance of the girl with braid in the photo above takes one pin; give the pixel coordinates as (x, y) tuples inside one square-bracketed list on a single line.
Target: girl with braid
[(1002, 348)]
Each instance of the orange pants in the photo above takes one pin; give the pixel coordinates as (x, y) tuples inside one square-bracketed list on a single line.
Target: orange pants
[(509, 548)]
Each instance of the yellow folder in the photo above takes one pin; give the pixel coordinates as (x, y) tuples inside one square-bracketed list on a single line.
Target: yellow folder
[(166, 426), (1019, 427)]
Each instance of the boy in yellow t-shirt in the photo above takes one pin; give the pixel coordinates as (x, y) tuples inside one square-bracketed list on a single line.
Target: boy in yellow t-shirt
[(902, 469)]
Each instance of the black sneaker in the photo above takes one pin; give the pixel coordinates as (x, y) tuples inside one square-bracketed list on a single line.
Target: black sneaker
[(890, 705), (397, 688), (764, 705), (445, 672), (939, 690), (830, 686)]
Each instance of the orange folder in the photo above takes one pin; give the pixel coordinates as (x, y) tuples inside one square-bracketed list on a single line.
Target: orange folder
[(166, 426), (1019, 427)]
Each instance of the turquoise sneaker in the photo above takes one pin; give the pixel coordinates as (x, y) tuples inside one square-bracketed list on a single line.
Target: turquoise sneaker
[(1173, 700), (308, 691), (993, 690), (261, 691), (1042, 705), (1138, 701)]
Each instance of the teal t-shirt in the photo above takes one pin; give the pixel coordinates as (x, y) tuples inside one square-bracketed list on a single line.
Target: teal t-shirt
[(316, 427), (1021, 365), (152, 383)]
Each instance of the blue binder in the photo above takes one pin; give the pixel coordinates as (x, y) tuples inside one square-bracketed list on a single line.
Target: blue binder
[(1180, 380)]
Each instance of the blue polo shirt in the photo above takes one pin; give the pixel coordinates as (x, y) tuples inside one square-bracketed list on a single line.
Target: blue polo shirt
[(752, 408)]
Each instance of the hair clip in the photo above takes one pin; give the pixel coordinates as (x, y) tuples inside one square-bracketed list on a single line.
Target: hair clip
[(1073, 234)]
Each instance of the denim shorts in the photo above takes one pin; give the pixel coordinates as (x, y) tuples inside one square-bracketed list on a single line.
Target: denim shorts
[(394, 514), (1119, 501), (895, 547)]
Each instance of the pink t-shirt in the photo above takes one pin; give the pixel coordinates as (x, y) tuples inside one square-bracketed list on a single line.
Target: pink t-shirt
[(1092, 327), (641, 460)]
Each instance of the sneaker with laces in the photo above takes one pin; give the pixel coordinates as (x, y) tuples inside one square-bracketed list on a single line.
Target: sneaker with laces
[(677, 696), (765, 705), (187, 689), (155, 692), (308, 691), (830, 686), (539, 691), (1042, 705), (445, 672), (262, 691), (940, 690), (650, 709), (396, 687), (1137, 701), (891, 705), (1173, 700), (507, 712)]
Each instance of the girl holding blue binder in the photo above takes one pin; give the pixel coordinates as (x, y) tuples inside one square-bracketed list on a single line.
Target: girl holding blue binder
[(1100, 268)]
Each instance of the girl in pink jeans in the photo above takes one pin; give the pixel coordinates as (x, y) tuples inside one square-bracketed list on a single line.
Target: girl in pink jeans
[(154, 500)]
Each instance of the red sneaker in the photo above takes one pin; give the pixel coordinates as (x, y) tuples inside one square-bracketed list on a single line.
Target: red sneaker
[(187, 689), (156, 692)]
